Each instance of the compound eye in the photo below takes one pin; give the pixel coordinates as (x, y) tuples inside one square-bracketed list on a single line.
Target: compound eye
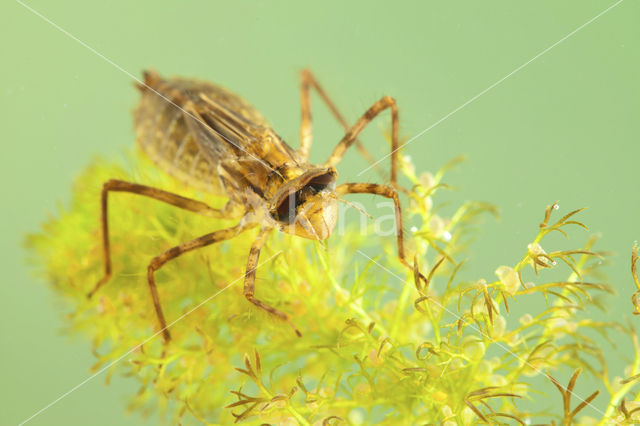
[(306, 193), (287, 209), (323, 182)]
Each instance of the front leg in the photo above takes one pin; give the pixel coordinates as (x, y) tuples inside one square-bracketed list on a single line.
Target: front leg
[(157, 262), (352, 134), (308, 82), (250, 280), (387, 192)]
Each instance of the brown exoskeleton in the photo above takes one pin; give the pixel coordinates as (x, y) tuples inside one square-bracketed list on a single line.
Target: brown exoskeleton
[(210, 138)]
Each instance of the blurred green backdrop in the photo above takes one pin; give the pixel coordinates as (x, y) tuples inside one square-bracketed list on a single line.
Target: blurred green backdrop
[(565, 127)]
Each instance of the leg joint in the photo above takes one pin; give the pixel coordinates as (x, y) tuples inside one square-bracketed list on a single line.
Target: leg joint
[(388, 100)]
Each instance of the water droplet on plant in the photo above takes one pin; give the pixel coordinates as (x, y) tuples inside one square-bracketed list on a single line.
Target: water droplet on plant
[(446, 235), (414, 229), (556, 206)]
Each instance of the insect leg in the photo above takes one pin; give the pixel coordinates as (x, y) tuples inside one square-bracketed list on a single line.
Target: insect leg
[(306, 130), (158, 194), (250, 279), (353, 132), (308, 82), (157, 262), (387, 192)]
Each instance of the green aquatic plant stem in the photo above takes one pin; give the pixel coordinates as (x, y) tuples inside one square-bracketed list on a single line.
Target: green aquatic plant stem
[(354, 305), (624, 389), (299, 417), (400, 311)]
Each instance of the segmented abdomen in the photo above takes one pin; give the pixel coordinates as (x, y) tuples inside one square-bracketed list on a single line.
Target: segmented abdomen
[(164, 136)]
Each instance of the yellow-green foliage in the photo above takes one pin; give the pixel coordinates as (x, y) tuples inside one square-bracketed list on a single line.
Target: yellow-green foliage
[(375, 348)]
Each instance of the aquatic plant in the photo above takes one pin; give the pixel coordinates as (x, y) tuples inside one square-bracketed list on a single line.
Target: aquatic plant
[(378, 346)]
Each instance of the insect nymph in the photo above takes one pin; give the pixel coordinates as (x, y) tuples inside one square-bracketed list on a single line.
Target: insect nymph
[(211, 139)]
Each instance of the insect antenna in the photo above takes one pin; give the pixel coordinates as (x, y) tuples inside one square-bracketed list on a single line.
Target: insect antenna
[(361, 210)]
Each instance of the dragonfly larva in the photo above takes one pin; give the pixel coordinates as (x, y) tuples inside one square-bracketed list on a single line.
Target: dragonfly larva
[(211, 139)]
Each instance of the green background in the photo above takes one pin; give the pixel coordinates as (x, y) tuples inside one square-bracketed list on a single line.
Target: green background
[(565, 127)]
